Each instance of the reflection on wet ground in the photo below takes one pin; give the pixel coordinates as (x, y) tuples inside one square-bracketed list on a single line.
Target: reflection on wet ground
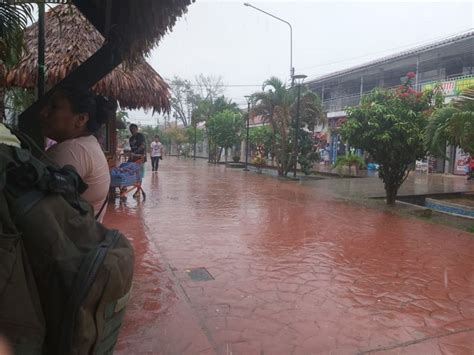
[(295, 270)]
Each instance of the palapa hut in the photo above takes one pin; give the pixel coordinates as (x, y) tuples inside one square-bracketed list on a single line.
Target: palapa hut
[(130, 28), (70, 41)]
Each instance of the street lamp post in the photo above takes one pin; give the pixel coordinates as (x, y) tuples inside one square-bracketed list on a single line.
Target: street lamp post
[(195, 133), (299, 80), (248, 98), (292, 70)]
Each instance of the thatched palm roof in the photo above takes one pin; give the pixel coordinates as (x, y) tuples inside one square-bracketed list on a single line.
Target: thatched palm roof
[(70, 40), (139, 24)]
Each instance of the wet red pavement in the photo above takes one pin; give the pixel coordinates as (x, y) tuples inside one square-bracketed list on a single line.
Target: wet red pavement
[(295, 271)]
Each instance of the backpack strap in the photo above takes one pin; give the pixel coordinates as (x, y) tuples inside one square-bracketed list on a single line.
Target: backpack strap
[(103, 206)]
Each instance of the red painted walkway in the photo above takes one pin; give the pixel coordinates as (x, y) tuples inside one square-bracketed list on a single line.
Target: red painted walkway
[(295, 271)]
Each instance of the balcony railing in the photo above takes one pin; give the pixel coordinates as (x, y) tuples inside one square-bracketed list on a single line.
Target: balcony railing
[(342, 102)]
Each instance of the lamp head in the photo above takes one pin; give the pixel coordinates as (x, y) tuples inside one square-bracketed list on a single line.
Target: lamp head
[(299, 78), (246, 4)]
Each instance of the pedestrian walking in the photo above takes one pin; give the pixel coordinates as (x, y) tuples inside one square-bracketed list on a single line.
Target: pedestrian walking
[(156, 154)]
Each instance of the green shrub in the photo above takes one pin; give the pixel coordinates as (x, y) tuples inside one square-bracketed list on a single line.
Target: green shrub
[(350, 160)]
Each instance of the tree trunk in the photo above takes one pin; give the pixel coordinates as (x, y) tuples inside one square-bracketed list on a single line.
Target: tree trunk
[(225, 155), (209, 150), (391, 192), (219, 154)]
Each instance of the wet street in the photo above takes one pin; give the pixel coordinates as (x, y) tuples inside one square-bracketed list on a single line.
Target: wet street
[(292, 269)]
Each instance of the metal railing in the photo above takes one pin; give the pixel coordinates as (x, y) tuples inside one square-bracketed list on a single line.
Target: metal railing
[(342, 102)]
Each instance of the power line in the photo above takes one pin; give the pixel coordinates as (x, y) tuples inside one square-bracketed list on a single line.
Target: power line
[(226, 85)]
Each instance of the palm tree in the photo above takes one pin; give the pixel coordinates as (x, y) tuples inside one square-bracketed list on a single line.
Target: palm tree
[(274, 105), (277, 105), (13, 21), (436, 136), (461, 124), (453, 124)]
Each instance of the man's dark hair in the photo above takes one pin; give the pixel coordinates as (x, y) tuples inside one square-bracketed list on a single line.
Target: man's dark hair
[(133, 125)]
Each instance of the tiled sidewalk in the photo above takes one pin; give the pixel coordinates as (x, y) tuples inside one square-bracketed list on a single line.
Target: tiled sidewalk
[(295, 271)]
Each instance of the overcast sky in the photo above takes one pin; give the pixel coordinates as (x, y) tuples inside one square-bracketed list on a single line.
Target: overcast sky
[(246, 47)]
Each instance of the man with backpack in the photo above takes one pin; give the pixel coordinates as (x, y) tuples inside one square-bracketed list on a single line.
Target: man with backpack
[(66, 278)]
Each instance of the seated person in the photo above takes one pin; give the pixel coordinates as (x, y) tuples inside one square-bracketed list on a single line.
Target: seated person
[(71, 117)]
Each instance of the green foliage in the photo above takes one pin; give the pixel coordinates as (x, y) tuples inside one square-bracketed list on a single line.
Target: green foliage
[(17, 100), (13, 21), (350, 160), (311, 110), (389, 125), (307, 153), (224, 128), (206, 108), (177, 135), (261, 139), (461, 128), (436, 132), (277, 105), (453, 124), (149, 132), (191, 134)]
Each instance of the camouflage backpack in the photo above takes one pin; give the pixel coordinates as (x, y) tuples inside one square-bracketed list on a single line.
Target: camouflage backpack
[(64, 278)]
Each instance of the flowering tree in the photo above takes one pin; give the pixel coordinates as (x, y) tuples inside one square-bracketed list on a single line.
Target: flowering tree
[(389, 125)]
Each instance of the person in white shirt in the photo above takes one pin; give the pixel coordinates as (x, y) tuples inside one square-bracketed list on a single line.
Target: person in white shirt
[(156, 153)]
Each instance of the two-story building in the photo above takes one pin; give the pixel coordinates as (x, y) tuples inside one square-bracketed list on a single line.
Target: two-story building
[(449, 61)]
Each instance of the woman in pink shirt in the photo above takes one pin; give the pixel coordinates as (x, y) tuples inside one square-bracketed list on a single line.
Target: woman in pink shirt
[(71, 117)]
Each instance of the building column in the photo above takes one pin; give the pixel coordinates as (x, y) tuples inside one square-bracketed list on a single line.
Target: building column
[(417, 70)]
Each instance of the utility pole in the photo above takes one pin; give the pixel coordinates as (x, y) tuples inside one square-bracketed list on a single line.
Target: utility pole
[(248, 98), (300, 79)]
